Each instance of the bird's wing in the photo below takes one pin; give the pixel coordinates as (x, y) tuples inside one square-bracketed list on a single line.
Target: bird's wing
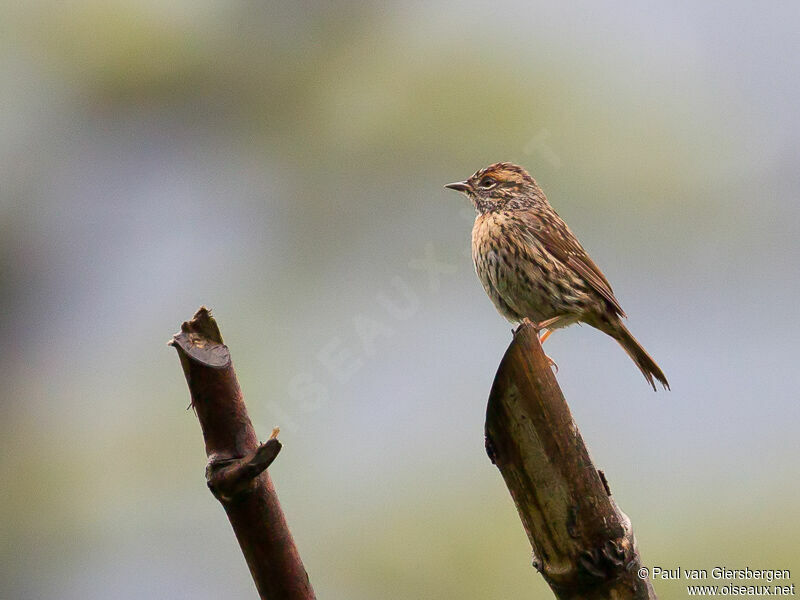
[(562, 244)]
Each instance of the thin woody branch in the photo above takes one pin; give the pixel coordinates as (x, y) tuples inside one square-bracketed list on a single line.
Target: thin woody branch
[(582, 543), (237, 463)]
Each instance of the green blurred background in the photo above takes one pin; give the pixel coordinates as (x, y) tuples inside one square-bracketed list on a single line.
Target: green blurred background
[(283, 164)]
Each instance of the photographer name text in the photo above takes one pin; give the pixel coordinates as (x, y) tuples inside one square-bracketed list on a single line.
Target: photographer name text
[(720, 573)]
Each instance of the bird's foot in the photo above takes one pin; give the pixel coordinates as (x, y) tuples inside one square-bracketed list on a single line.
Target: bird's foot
[(526, 322)]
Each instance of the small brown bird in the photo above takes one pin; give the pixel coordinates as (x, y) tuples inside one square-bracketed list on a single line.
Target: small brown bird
[(533, 267)]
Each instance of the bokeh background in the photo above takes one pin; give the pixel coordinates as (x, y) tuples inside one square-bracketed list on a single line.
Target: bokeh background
[(283, 164)]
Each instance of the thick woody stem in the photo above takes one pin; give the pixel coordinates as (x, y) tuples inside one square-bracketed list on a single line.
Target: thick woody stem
[(237, 463), (582, 543)]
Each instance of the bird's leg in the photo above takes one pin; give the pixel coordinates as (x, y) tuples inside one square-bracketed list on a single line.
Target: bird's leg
[(542, 337), (548, 325)]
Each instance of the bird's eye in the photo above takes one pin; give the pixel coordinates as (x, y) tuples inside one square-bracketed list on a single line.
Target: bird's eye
[(487, 183)]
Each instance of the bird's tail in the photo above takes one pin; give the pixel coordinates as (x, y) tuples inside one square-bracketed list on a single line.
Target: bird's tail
[(643, 360)]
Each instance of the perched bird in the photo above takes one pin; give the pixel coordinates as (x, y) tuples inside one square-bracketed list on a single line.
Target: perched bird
[(532, 266)]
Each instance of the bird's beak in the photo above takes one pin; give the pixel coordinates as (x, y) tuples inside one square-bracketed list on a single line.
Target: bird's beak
[(459, 186)]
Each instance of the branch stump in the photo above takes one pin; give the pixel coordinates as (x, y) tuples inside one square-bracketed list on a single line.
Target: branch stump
[(583, 544), (236, 473)]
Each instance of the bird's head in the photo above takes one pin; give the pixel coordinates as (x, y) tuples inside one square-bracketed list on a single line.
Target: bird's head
[(499, 186)]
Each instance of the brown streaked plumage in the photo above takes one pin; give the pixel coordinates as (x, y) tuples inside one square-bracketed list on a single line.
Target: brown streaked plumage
[(533, 267)]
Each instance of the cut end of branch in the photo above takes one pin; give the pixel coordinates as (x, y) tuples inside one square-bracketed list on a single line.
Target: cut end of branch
[(524, 328), (204, 325), (201, 340)]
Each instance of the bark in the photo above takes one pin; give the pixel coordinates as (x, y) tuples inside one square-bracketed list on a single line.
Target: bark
[(582, 543), (236, 472)]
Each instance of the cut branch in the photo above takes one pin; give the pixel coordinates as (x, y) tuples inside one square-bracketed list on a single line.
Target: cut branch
[(237, 463), (582, 543)]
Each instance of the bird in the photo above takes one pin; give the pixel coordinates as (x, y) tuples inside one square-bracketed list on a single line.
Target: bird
[(534, 269)]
